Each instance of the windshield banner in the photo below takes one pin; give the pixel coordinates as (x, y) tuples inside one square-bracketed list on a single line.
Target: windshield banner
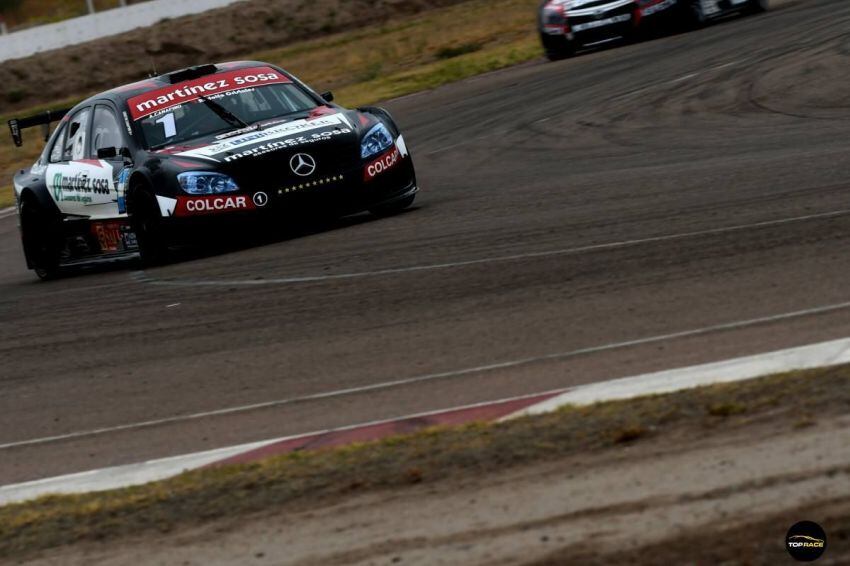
[(273, 138), (144, 105)]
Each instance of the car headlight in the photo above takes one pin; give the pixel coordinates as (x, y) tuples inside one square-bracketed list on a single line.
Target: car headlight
[(196, 183), (377, 140)]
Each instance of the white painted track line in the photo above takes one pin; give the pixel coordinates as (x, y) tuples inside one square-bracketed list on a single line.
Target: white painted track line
[(153, 470), (738, 369), (120, 476), (557, 356), (805, 357)]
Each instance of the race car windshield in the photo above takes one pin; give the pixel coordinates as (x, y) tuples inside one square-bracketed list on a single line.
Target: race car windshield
[(198, 118)]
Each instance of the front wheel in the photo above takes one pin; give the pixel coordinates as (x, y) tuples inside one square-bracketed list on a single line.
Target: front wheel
[(695, 17), (146, 220), (558, 47), (42, 239), (759, 6), (394, 207)]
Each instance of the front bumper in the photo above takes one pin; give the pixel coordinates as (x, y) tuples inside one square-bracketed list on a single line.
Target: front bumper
[(337, 193), (594, 22)]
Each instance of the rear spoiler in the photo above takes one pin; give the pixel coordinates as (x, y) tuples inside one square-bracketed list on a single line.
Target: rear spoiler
[(17, 125)]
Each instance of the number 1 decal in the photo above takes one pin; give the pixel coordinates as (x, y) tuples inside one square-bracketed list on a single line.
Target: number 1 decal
[(168, 124)]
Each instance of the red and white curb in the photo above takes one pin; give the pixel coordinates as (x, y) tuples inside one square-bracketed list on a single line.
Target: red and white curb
[(806, 357)]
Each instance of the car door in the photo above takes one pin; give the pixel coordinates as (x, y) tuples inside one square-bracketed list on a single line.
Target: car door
[(80, 184), (107, 133)]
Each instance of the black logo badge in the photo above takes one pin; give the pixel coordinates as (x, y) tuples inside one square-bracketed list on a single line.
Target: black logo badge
[(806, 541), (260, 199)]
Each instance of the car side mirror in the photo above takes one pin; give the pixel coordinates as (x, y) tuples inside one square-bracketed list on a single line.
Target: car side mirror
[(328, 96), (113, 152)]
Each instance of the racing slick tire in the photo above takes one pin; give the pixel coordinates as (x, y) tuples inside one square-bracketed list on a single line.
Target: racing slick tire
[(558, 47), (759, 6), (694, 14), (393, 208), (146, 221), (42, 240)]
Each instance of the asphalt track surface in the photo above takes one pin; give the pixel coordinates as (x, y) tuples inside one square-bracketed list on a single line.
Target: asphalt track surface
[(673, 202)]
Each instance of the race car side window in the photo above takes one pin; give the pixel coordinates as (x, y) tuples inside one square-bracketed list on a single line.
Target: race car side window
[(75, 142), (106, 130), (58, 141)]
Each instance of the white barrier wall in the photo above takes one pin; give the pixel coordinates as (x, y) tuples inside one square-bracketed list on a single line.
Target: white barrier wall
[(86, 28)]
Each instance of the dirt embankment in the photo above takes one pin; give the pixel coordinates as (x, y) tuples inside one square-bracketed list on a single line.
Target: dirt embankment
[(708, 476), (226, 33)]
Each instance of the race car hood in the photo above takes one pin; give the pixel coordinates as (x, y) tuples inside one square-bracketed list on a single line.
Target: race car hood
[(321, 146)]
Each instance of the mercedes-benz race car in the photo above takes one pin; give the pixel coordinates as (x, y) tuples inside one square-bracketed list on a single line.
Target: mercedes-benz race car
[(567, 25), (131, 170)]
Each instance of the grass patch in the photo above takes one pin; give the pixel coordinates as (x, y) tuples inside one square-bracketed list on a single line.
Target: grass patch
[(370, 64), (726, 409), (451, 51), (428, 456)]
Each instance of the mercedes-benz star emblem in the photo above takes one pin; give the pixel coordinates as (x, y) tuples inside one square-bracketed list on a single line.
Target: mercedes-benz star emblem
[(302, 164)]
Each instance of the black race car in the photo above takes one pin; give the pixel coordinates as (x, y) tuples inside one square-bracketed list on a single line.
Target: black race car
[(699, 12), (567, 25), (132, 170), (694, 13)]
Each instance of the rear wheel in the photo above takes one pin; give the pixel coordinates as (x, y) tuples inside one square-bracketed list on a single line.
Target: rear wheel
[(394, 207), (558, 47), (41, 233), (146, 220)]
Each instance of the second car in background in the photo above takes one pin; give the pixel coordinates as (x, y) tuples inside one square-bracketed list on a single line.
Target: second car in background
[(567, 25)]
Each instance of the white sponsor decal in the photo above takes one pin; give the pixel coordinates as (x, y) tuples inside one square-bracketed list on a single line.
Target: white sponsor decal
[(220, 203), (601, 23), (402, 147), (166, 205), (596, 11), (382, 164), (659, 7), (568, 4), (284, 130), (150, 102), (80, 183), (289, 142)]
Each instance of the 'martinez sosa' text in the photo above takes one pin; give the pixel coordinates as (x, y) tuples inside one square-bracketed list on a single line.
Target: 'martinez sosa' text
[(242, 146), (154, 101)]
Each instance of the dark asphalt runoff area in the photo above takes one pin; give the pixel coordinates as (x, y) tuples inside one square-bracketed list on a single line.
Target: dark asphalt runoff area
[(663, 204)]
